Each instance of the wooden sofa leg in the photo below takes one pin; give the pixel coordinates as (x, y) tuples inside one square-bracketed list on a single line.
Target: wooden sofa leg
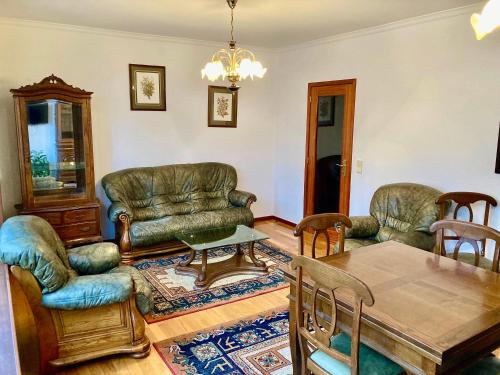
[(141, 342), (125, 244)]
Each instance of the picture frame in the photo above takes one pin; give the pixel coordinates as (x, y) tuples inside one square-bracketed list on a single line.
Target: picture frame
[(147, 87), (222, 107), (326, 111), (497, 167)]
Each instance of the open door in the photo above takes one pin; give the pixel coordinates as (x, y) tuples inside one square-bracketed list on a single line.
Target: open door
[(329, 146)]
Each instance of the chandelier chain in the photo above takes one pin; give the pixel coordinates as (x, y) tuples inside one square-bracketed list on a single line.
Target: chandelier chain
[(232, 25)]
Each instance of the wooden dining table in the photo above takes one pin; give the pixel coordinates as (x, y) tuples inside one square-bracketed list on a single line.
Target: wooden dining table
[(432, 314)]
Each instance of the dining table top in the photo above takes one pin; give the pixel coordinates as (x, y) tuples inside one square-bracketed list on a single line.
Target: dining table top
[(436, 304)]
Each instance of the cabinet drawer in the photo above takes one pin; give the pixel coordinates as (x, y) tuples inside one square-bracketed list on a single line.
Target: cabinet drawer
[(78, 230), (77, 216), (54, 218)]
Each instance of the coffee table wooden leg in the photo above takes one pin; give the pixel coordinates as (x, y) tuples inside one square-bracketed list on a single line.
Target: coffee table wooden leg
[(251, 254), (202, 276), (239, 251), (189, 260)]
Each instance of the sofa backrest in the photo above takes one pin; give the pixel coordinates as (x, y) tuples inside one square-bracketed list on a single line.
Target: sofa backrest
[(404, 207), (31, 243), (156, 192)]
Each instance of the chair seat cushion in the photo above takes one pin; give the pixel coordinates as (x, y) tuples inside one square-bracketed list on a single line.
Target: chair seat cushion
[(370, 362), (84, 292), (143, 293), (469, 259), (146, 233), (95, 258), (486, 366)]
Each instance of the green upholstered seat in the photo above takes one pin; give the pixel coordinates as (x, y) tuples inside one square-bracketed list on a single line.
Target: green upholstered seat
[(486, 366), (469, 259), (88, 277), (370, 362), (161, 201), (401, 212)]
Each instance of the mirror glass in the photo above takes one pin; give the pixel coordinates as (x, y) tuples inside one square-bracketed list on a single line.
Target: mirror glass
[(55, 130)]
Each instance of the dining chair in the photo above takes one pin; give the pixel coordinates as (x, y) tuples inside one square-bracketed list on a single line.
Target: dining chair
[(334, 353), (465, 199), (322, 224), (468, 233)]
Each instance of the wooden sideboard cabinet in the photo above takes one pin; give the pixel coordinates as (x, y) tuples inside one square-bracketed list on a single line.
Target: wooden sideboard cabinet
[(54, 131)]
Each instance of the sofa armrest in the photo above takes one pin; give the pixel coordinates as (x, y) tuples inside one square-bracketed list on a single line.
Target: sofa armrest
[(119, 208), (362, 227), (95, 258), (421, 240), (241, 198), (85, 292)]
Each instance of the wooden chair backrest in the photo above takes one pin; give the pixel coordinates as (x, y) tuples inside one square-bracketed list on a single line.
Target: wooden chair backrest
[(470, 233), (465, 199), (327, 279), (1, 208), (320, 224)]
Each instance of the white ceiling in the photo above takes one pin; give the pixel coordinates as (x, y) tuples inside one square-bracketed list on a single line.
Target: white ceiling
[(269, 23)]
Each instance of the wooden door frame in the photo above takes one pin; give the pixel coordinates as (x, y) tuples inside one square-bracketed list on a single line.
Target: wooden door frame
[(347, 144)]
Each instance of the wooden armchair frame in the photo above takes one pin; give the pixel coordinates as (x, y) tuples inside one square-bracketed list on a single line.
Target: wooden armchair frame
[(322, 224), (469, 233), (67, 337), (328, 279)]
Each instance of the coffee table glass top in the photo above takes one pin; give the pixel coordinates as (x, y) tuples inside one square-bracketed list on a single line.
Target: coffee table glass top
[(217, 237)]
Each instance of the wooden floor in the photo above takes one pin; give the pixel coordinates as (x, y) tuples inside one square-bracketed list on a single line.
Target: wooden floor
[(281, 236)]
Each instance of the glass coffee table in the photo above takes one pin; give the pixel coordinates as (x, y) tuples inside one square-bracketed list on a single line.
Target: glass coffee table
[(202, 241)]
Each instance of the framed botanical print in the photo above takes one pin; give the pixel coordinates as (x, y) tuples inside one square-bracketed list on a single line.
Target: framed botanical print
[(326, 110), (497, 167), (147, 88), (222, 107)]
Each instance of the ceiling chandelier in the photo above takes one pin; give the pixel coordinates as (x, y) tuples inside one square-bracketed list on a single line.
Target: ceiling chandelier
[(488, 20), (235, 64)]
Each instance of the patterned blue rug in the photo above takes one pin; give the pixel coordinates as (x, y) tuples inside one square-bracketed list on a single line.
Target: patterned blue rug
[(175, 295), (252, 347)]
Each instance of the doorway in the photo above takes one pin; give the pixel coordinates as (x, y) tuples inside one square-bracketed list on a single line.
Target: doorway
[(330, 125)]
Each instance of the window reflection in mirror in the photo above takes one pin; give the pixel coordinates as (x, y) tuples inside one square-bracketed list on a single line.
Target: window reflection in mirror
[(55, 131)]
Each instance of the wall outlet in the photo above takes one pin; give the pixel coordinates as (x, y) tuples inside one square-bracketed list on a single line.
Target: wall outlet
[(359, 166)]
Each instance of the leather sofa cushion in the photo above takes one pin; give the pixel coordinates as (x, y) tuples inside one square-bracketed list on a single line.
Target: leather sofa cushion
[(355, 243), (156, 192), (146, 233), (95, 258), (84, 292), (31, 242)]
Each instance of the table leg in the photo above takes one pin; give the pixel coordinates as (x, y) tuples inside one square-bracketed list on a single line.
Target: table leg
[(239, 251), (202, 276), (293, 337), (186, 263), (251, 254)]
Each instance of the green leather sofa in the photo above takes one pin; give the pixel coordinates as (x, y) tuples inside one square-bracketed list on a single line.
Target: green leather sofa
[(400, 212), (78, 297), (151, 205)]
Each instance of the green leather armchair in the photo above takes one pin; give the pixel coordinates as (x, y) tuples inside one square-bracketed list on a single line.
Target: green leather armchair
[(400, 212), (149, 206), (85, 305)]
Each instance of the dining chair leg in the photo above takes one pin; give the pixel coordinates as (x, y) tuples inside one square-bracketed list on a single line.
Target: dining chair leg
[(294, 340)]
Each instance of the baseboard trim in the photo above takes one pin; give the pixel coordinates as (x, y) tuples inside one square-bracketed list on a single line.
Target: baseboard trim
[(276, 218)]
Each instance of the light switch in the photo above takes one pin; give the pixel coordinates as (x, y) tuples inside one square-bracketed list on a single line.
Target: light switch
[(359, 166)]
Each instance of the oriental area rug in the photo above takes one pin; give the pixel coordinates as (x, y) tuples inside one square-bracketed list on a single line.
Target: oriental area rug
[(175, 295), (255, 346)]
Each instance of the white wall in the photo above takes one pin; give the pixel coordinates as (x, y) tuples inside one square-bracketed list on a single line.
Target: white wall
[(98, 61), (427, 109)]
